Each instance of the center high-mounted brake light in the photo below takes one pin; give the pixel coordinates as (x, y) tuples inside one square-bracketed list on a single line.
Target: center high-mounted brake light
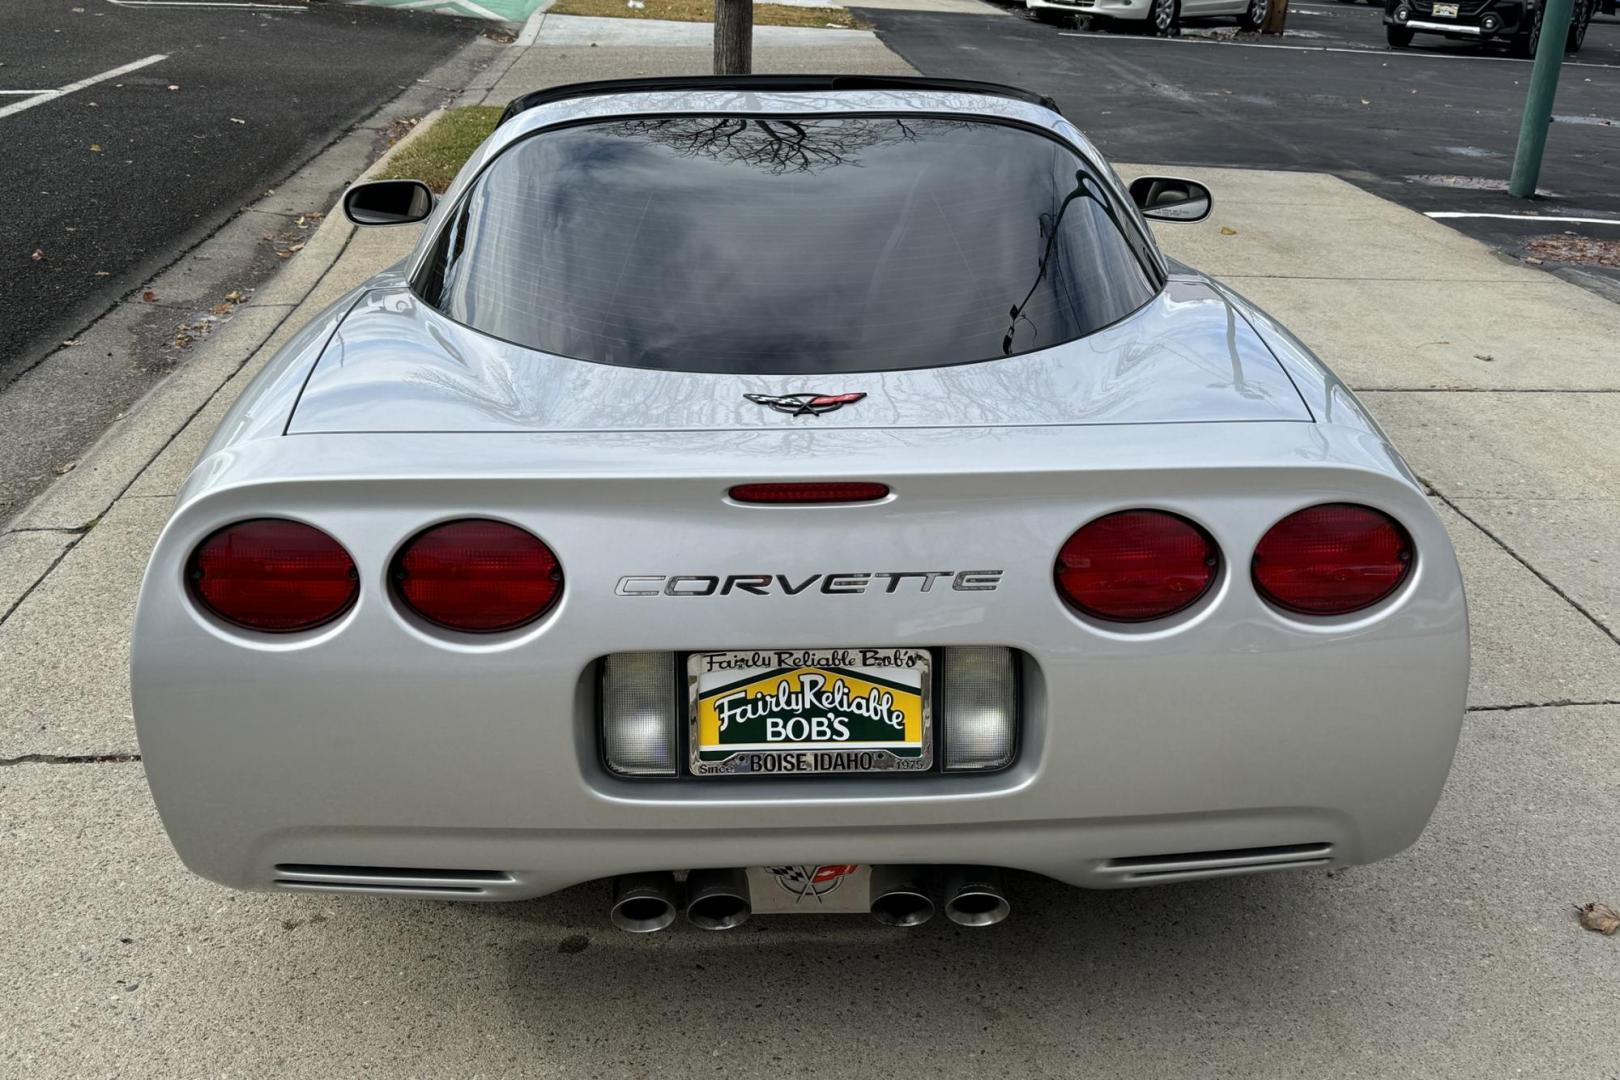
[(841, 491)]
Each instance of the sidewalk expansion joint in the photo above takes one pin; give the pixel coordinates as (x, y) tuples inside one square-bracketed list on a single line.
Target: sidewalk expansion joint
[(1486, 389), (70, 759), (1522, 561), (1560, 704)]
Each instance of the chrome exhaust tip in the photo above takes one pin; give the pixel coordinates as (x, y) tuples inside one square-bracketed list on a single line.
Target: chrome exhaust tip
[(899, 897), (974, 897), (643, 903), (717, 899)]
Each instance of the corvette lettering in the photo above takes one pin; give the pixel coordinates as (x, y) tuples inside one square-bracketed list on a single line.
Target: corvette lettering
[(792, 585)]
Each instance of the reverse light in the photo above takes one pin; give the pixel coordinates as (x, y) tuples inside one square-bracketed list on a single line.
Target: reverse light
[(1136, 565), (639, 702), (1332, 559), (841, 491), (272, 575), (980, 707), (477, 576)]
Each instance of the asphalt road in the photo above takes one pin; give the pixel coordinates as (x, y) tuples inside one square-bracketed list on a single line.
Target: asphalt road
[(102, 186), (1432, 127)]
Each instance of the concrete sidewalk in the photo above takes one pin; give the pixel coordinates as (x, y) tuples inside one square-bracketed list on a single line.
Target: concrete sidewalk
[(1460, 958)]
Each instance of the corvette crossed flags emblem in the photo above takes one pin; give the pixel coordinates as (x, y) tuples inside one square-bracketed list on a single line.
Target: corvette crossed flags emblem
[(805, 404)]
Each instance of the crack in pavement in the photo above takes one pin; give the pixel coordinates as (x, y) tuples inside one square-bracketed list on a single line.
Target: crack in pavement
[(1560, 704), (1485, 390), (1521, 560), (70, 759)]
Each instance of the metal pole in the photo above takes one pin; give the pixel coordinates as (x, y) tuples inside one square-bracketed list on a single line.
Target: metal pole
[(1538, 102)]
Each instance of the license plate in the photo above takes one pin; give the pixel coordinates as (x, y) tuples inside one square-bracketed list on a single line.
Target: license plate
[(1446, 11), (793, 712)]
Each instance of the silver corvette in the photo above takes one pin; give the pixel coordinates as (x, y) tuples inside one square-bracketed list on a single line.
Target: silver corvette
[(793, 494)]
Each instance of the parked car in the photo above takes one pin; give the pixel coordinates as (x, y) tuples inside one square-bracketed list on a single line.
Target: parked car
[(793, 493), (1516, 22), (1161, 18)]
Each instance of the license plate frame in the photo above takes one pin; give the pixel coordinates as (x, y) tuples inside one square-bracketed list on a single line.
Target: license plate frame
[(885, 669), (1445, 11)]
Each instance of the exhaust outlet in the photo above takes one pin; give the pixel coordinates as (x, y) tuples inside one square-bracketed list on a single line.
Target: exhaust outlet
[(899, 897), (643, 903), (717, 899), (973, 896)]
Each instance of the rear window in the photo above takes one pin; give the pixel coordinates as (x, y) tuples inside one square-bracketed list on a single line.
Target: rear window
[(785, 245)]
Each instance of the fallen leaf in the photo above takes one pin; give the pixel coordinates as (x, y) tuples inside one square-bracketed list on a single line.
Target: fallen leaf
[(221, 309), (70, 342), (1533, 261), (234, 296), (95, 148), (1598, 917), (236, 120), (37, 255), (1483, 356), (149, 296), (1364, 101), (63, 470), (1225, 231)]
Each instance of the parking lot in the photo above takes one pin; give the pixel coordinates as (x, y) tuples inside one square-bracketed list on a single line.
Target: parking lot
[(1432, 127)]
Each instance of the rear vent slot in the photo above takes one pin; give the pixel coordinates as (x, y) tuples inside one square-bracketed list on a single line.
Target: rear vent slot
[(1217, 863), (319, 877)]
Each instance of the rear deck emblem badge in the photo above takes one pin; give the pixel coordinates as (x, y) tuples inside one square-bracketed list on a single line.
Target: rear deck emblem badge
[(811, 882), (805, 404)]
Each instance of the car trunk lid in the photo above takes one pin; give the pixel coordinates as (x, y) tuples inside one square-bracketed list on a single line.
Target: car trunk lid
[(1187, 356)]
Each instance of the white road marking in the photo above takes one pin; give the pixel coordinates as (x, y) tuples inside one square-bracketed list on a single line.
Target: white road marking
[(1524, 217), (61, 91), (25, 93), (207, 4), (1387, 53)]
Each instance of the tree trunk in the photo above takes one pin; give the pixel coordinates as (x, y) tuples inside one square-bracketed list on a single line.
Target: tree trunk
[(733, 37), (1275, 18)]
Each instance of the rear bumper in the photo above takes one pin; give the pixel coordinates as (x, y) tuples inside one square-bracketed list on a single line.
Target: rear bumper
[(378, 742)]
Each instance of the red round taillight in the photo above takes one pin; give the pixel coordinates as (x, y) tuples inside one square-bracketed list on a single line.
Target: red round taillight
[(1331, 559), (273, 575), (477, 576), (1136, 565)]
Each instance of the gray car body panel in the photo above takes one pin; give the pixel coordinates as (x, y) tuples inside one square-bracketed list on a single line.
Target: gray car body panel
[(379, 741)]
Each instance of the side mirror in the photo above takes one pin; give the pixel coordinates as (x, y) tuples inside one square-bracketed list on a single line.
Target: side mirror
[(388, 202), (1166, 198)]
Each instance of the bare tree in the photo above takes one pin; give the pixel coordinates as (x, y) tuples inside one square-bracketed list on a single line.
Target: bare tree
[(780, 145), (733, 37)]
